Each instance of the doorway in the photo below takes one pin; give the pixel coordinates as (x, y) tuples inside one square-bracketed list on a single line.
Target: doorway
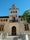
[(13, 30)]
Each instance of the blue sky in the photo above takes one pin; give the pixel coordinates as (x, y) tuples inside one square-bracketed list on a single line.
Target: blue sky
[(6, 4)]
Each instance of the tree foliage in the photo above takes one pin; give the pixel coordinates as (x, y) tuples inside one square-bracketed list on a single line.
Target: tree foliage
[(26, 15)]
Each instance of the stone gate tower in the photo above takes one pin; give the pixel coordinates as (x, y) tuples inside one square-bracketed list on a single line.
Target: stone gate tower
[(12, 26)]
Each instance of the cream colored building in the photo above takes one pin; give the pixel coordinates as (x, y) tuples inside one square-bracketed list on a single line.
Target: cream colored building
[(13, 25)]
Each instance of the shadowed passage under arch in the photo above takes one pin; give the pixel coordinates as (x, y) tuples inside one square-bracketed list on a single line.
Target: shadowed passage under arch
[(13, 30)]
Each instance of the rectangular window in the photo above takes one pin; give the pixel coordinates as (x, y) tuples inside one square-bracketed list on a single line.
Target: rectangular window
[(26, 27), (1, 27)]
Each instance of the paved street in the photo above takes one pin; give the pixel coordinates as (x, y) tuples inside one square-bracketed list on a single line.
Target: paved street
[(21, 37)]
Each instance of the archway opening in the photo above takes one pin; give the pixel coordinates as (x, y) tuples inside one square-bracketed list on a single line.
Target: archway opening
[(13, 30)]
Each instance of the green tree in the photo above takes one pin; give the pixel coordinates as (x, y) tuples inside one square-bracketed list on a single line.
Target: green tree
[(28, 19), (26, 16)]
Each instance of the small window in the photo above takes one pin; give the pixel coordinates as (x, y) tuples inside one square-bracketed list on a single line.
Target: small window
[(6, 19), (26, 27), (16, 11), (1, 19), (21, 19), (1, 27), (11, 11)]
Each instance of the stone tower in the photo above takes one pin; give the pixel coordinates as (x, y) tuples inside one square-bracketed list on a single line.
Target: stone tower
[(12, 26), (13, 13)]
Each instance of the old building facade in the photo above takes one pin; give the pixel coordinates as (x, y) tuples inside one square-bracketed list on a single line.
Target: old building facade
[(13, 25)]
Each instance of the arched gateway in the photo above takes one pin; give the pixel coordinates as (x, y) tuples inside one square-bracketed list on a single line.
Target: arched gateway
[(13, 30)]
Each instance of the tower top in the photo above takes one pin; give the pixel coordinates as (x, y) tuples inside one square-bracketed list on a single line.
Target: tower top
[(13, 7)]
